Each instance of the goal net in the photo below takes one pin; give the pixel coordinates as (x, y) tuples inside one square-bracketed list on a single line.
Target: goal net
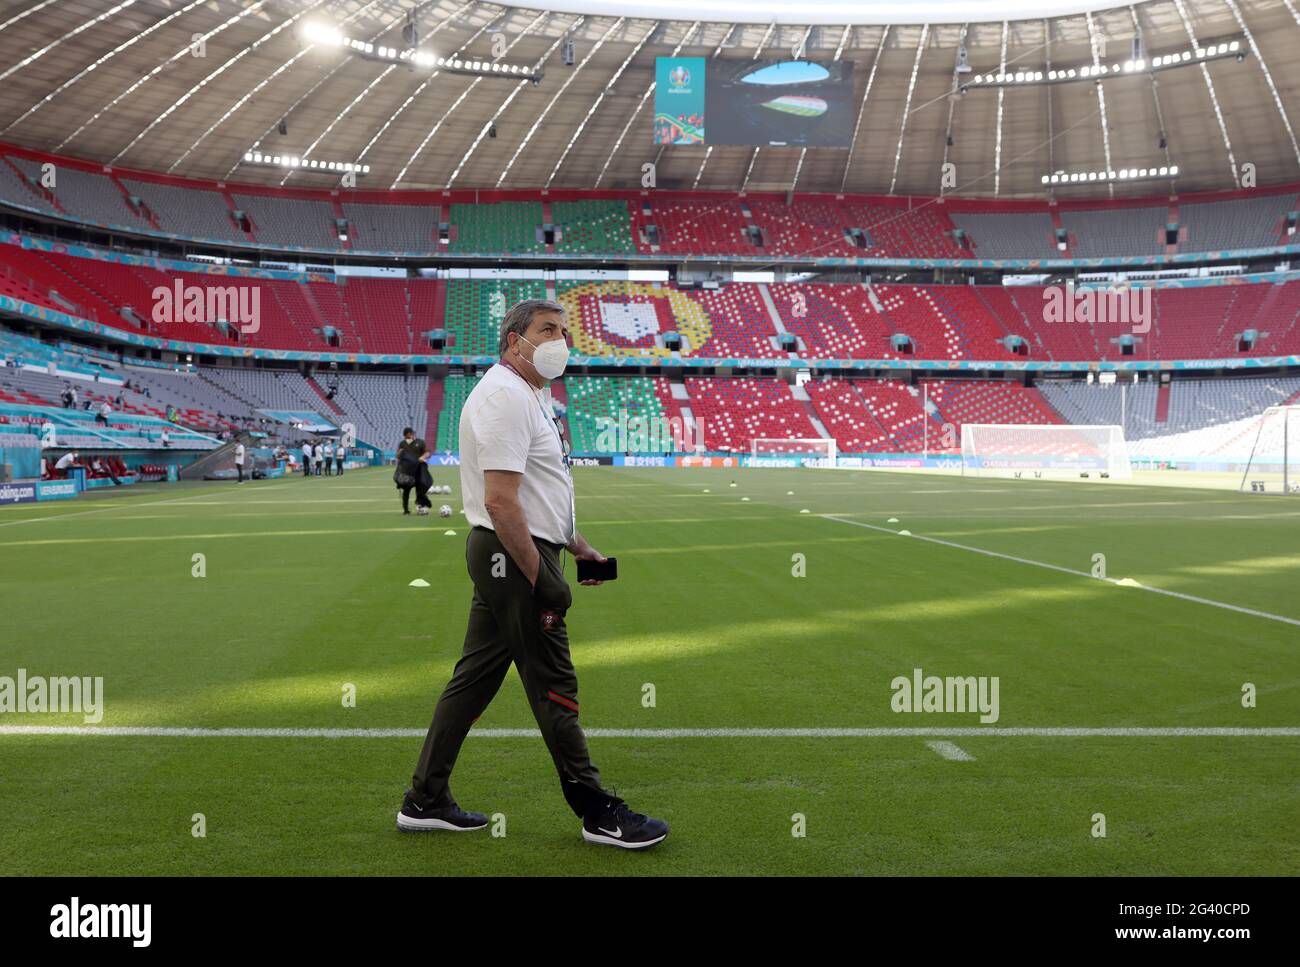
[(1051, 450), (793, 452), (1274, 463)]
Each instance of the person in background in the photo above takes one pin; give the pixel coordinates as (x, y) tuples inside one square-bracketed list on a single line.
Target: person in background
[(101, 469), (410, 473), (239, 460), (66, 463), (166, 439), (329, 459), (306, 458), (102, 415), (338, 459), (317, 458)]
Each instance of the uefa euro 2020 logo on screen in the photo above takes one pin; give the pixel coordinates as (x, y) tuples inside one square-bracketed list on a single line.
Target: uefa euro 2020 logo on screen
[(679, 77)]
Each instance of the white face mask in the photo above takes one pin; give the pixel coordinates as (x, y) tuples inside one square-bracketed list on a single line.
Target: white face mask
[(550, 358)]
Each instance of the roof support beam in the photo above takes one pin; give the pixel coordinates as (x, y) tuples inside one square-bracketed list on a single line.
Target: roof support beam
[(997, 141), (907, 104), (158, 69), (465, 93), (573, 74), (866, 94), (758, 50), (1209, 86), (601, 97), (230, 62), (1277, 100), (803, 152), (645, 96), (708, 150), (1101, 100), (100, 61)]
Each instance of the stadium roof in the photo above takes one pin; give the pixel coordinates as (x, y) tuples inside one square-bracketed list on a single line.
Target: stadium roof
[(120, 82)]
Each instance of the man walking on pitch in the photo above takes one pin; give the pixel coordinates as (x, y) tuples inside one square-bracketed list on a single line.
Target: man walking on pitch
[(518, 496)]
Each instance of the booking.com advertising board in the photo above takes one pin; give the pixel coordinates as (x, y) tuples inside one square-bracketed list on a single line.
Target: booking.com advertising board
[(24, 493)]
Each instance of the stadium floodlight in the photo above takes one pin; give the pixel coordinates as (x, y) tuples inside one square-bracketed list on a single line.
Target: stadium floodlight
[(327, 35), (1099, 72), (1059, 450), (258, 160), (1108, 175), (323, 34), (793, 452), (1273, 466)]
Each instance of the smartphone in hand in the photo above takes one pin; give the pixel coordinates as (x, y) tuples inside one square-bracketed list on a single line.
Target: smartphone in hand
[(606, 570)]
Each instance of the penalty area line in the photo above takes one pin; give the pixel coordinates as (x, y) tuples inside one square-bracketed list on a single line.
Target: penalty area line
[(1067, 732), (1072, 571)]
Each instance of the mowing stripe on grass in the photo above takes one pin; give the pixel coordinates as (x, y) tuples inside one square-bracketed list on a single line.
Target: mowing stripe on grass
[(1069, 570), (951, 751), (1068, 732)]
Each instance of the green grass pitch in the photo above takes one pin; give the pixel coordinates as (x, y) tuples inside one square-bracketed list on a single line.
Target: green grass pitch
[(306, 590)]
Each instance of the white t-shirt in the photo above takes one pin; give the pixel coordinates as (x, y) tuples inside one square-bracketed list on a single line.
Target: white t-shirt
[(306, 451), (506, 425), (329, 450), (318, 453), (239, 453), (65, 462)]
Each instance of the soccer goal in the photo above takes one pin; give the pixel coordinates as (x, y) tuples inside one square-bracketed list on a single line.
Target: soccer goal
[(1274, 463), (793, 452), (1048, 450)]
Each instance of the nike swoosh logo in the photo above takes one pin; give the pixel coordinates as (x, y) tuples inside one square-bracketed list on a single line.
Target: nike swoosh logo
[(616, 833)]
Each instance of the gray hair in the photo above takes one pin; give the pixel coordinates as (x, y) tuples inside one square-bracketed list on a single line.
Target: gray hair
[(520, 317)]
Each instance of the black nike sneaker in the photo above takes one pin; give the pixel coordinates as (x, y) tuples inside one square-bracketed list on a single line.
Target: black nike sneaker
[(414, 819), (617, 825)]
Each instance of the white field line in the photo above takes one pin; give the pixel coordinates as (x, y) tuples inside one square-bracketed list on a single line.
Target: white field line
[(950, 751), (1068, 732), (1069, 570), (125, 503)]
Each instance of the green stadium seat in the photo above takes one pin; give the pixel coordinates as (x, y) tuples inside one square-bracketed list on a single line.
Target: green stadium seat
[(595, 226), (505, 227)]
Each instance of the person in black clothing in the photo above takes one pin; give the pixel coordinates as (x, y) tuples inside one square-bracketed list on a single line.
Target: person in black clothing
[(412, 473)]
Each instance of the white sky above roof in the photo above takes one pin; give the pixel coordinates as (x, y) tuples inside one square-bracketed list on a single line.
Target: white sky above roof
[(830, 11)]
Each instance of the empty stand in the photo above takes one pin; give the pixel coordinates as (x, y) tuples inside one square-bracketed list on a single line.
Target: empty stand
[(397, 228), (504, 227), (298, 222), (595, 225)]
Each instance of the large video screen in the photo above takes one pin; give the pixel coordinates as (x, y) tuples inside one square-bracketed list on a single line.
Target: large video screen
[(755, 102)]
